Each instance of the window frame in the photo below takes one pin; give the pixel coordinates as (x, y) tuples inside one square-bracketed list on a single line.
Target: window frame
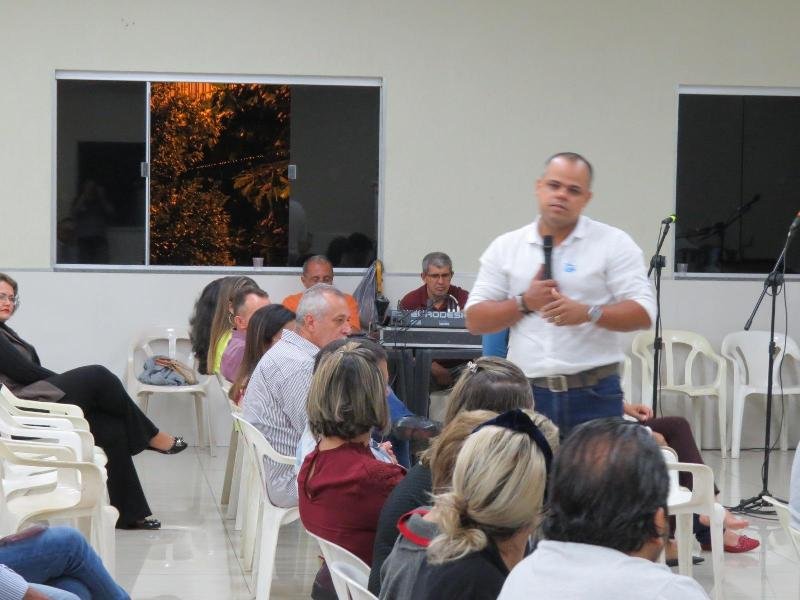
[(177, 77), (720, 90)]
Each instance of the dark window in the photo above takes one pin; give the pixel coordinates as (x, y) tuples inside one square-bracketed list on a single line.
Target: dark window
[(237, 171), (737, 181)]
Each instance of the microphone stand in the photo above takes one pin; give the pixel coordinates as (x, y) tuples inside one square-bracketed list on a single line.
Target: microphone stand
[(773, 282), (658, 262)]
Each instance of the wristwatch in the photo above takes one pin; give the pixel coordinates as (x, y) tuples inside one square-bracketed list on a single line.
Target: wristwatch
[(521, 305), (594, 313)]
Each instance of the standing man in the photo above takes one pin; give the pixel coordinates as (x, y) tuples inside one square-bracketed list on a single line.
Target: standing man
[(318, 269), (275, 400), (436, 293), (564, 330), (246, 301)]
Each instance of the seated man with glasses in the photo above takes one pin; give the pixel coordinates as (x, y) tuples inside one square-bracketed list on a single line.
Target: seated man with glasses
[(436, 293)]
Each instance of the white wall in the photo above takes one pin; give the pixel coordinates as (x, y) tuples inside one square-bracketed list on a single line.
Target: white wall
[(477, 95)]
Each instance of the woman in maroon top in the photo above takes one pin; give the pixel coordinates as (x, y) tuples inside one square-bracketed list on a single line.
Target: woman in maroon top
[(342, 487)]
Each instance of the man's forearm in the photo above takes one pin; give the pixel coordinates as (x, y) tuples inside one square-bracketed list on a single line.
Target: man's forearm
[(491, 316), (627, 315)]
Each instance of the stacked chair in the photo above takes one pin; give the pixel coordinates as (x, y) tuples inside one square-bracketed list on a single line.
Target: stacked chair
[(55, 475)]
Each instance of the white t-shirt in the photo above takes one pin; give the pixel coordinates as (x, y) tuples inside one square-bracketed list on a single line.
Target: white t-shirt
[(568, 571), (596, 264)]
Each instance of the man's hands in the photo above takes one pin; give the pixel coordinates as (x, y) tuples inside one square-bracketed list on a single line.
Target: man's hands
[(539, 292), (564, 311), (543, 297)]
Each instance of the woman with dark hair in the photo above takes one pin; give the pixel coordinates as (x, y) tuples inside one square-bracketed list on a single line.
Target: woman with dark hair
[(263, 330), (119, 427), (200, 323)]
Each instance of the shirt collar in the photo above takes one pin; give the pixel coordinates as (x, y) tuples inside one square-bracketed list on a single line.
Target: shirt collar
[(580, 231), (299, 341)]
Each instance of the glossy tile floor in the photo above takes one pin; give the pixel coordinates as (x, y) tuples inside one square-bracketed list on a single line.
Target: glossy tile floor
[(194, 557)]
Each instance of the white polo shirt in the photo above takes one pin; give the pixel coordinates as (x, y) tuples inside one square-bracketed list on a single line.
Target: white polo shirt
[(596, 264), (570, 571)]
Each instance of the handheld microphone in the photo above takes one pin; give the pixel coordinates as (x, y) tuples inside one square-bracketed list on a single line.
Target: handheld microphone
[(795, 224), (669, 220), (547, 242)]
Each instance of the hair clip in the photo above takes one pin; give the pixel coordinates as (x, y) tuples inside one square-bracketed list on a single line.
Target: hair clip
[(472, 367)]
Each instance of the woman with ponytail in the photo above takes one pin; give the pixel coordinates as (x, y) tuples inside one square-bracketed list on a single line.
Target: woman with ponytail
[(493, 506)]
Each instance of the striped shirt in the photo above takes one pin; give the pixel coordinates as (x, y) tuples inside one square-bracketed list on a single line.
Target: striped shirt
[(275, 403), (12, 585)]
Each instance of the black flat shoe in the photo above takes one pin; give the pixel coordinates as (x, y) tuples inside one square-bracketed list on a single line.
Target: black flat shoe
[(149, 524), (177, 446), (673, 562)]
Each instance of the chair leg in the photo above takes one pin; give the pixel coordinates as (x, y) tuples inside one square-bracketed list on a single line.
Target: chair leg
[(683, 535), (236, 482), (270, 526), (697, 422), (717, 549), (784, 422), (144, 400), (230, 467), (250, 527), (736, 427), (209, 430), (198, 413), (722, 414)]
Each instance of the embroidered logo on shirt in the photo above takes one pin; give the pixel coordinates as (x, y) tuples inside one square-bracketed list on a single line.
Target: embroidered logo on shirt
[(569, 267)]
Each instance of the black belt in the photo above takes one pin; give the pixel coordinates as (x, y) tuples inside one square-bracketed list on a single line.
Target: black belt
[(588, 378)]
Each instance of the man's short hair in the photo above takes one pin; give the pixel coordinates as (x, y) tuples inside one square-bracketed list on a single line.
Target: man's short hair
[(436, 259), (317, 258), (240, 298), (315, 302), (572, 157), (608, 481)]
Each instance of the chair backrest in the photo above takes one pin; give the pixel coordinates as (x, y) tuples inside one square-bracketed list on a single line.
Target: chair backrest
[(694, 343), (785, 518), (259, 449), (355, 581), (335, 553), (748, 351), (173, 342)]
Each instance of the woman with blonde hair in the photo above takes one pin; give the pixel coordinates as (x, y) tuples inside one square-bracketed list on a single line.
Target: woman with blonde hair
[(485, 384), (222, 322), (494, 505)]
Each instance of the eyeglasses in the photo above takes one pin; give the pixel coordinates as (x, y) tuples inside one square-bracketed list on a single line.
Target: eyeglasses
[(439, 275), (14, 300)]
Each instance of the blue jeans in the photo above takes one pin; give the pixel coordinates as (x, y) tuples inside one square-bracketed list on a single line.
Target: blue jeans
[(59, 557), (577, 405)]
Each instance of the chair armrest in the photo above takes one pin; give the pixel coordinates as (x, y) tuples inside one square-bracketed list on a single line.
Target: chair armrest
[(55, 408)]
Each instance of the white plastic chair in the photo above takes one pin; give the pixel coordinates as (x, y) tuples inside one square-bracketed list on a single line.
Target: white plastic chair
[(67, 417), (354, 579), (333, 553), (782, 510), (174, 343), (233, 465), (683, 503), (78, 496), (747, 350), (271, 517), (642, 347)]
